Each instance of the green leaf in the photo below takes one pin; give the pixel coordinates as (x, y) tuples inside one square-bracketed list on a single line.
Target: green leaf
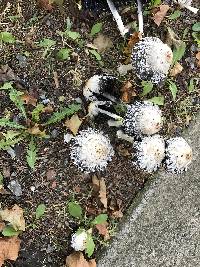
[(6, 86), (10, 135), (31, 156), (75, 210), (178, 52), (46, 43), (96, 54), (10, 231), (175, 15), (155, 3), (157, 100), (73, 35), (1, 179), (196, 36), (101, 218), (196, 27), (6, 144), (36, 112), (69, 24), (4, 122), (90, 246), (40, 211), (96, 28), (58, 116), (173, 88), (147, 87), (191, 86), (15, 96), (63, 54), (7, 37)]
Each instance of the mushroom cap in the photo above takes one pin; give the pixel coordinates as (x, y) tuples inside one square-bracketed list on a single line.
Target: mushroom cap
[(99, 85), (149, 153), (91, 150), (78, 240), (143, 118), (178, 155), (151, 59)]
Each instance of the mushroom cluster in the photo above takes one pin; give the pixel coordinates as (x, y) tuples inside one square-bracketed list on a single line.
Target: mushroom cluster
[(78, 240), (151, 59)]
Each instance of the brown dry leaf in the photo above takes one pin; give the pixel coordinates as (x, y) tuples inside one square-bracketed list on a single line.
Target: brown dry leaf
[(73, 124), (7, 74), (198, 58), (77, 259), (51, 174), (117, 214), (2, 225), (127, 92), (48, 109), (102, 43), (160, 14), (135, 38), (35, 130), (95, 183), (29, 99), (14, 216), (9, 249), (102, 193), (45, 4), (176, 70), (102, 228)]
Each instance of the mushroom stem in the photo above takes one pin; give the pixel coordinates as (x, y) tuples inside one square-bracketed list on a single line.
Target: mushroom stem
[(140, 16), (193, 9), (112, 115), (123, 30)]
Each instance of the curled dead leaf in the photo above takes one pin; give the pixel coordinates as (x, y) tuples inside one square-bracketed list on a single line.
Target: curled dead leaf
[(102, 229), (29, 99), (14, 216), (176, 69), (135, 38), (9, 249), (77, 259), (35, 130), (160, 14), (73, 124), (127, 92)]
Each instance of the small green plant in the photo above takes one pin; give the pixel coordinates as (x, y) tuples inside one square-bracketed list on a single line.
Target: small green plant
[(95, 54), (147, 87), (30, 129), (7, 37), (96, 28), (179, 52), (46, 44), (175, 15), (196, 33), (63, 54), (157, 100), (39, 213), (86, 225), (173, 88)]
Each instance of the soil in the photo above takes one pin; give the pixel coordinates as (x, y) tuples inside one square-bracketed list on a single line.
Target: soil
[(56, 179)]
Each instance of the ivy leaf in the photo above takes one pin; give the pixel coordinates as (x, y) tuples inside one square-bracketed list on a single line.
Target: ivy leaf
[(63, 54), (58, 116), (15, 97), (75, 210), (178, 52), (7, 37), (31, 156), (4, 122), (196, 27), (73, 35), (101, 218), (96, 28), (96, 54), (147, 87), (157, 100), (173, 88), (40, 211), (36, 112), (90, 246), (10, 231)]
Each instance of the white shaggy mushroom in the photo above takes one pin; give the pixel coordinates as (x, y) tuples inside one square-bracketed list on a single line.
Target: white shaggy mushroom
[(187, 4), (99, 85), (149, 153), (91, 150), (151, 59), (143, 118), (178, 155), (78, 240)]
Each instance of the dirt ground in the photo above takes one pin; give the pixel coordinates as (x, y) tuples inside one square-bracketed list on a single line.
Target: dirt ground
[(55, 179)]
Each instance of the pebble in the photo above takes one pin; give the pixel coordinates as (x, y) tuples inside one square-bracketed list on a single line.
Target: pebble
[(22, 60), (15, 188)]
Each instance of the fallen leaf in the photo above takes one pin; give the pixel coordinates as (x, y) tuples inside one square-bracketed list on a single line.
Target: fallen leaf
[(102, 229), (48, 109), (102, 193), (51, 174), (14, 216), (160, 14), (172, 38), (29, 99), (45, 4), (9, 249), (127, 92), (117, 214), (35, 130), (135, 38), (77, 259), (198, 58), (2, 225), (7, 74), (176, 70), (95, 183), (73, 124), (102, 43)]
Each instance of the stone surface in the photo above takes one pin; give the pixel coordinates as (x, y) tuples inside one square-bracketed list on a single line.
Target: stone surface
[(163, 226)]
